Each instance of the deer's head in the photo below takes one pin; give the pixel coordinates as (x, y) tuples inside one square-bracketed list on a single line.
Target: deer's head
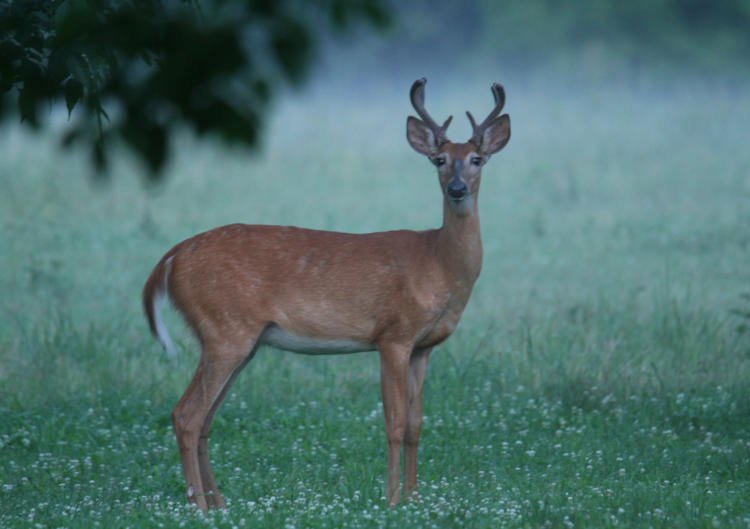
[(459, 164)]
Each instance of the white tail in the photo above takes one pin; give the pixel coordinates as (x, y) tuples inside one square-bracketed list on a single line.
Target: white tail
[(152, 305), (398, 292)]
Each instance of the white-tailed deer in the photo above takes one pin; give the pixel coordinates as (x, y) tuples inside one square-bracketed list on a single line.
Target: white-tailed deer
[(397, 292)]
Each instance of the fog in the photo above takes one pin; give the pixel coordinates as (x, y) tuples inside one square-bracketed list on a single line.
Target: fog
[(627, 167)]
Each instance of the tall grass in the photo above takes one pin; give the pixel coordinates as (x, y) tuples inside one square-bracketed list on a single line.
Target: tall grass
[(598, 377)]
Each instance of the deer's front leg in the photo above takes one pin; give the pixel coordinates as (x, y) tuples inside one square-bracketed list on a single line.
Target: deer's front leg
[(394, 372), (417, 370)]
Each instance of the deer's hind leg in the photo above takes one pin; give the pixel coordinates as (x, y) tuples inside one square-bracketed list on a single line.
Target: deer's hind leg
[(219, 365)]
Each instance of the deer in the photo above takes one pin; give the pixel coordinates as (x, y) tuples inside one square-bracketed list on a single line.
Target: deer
[(399, 293)]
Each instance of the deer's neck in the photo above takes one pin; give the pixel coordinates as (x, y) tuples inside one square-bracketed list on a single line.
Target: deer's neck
[(459, 244)]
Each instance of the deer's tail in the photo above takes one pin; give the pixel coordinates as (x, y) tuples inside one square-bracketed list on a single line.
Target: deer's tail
[(155, 291)]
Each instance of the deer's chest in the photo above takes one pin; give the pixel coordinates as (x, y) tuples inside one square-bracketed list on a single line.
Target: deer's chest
[(444, 320)]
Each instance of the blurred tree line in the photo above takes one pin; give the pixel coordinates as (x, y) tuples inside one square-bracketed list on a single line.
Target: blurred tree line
[(685, 33), (697, 36)]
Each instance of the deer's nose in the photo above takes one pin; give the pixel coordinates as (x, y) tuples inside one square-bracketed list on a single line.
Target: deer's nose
[(456, 189)]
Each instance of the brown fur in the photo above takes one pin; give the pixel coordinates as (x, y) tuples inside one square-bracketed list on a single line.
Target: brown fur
[(400, 292)]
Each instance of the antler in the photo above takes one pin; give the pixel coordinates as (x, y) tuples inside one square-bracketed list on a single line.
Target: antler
[(417, 100), (499, 93)]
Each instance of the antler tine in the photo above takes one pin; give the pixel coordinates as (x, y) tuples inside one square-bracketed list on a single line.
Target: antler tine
[(499, 94), (416, 95)]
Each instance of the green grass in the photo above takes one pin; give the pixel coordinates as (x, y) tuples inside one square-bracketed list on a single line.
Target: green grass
[(598, 377)]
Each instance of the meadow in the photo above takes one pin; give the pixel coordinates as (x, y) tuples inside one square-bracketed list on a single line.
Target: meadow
[(599, 376)]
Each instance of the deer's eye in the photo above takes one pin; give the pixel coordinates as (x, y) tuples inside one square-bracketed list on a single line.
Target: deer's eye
[(476, 161), (439, 161)]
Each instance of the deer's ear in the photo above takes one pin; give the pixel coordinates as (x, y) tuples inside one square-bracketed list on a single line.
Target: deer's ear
[(496, 135), (420, 137)]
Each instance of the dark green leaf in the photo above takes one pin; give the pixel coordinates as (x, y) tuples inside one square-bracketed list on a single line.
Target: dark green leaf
[(73, 94), (27, 106)]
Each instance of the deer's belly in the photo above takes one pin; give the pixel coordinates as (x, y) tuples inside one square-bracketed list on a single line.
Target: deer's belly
[(277, 337)]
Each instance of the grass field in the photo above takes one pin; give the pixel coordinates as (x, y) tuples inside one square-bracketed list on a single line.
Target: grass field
[(599, 376)]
